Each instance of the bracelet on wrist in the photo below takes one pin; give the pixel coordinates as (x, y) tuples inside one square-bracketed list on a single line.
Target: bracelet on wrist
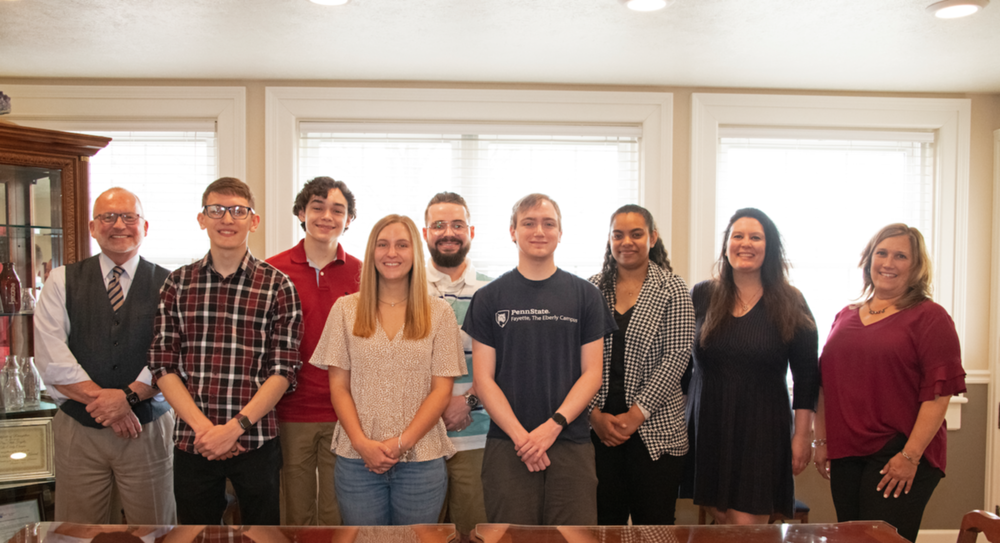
[(909, 458), (819, 442)]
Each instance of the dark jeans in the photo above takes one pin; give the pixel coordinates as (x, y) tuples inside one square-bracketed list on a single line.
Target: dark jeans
[(629, 482), (853, 481), (200, 486)]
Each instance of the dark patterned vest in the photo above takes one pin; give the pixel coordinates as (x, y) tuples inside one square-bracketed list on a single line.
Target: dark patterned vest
[(112, 347)]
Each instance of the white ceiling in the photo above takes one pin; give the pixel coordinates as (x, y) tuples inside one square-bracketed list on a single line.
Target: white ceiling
[(864, 45)]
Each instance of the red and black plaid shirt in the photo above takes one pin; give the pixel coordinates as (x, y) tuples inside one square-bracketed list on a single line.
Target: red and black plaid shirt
[(224, 337)]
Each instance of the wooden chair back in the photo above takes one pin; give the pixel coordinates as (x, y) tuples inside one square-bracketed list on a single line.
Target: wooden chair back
[(976, 522)]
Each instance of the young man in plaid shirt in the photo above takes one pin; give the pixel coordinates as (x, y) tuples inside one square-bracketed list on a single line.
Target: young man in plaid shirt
[(224, 353)]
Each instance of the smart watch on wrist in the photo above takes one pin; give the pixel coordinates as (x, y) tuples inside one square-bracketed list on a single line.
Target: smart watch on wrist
[(243, 421), (560, 420), (130, 396)]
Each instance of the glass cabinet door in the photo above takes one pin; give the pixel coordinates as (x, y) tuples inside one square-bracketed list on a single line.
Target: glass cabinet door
[(44, 211), (31, 244)]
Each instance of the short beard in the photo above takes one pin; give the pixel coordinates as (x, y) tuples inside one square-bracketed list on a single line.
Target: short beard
[(449, 261)]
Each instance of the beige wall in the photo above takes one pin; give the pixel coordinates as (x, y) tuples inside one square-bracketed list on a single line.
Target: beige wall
[(963, 488)]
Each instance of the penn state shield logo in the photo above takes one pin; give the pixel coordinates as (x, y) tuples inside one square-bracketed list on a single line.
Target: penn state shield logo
[(502, 317)]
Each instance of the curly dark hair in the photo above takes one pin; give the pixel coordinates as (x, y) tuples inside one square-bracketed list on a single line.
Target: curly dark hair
[(657, 254), (320, 187)]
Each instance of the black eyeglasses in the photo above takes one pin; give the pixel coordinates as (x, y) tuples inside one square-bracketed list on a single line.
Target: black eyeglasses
[(216, 211), (111, 218)]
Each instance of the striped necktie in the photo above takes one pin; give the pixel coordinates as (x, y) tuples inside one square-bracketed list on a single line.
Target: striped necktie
[(115, 293)]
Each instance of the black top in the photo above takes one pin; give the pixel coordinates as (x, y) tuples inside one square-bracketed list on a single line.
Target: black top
[(616, 404)]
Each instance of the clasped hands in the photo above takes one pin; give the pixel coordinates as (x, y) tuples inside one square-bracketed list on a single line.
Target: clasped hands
[(110, 408), (219, 441), (532, 448), (458, 415), (613, 430), (380, 456)]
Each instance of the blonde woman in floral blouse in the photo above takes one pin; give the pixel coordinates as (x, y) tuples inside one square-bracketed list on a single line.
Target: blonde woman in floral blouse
[(392, 353)]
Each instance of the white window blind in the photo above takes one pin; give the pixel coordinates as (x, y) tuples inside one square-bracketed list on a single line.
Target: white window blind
[(168, 169), (829, 192), (589, 171)]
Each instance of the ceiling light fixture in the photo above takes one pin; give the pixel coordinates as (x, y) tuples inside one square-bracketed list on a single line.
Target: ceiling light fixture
[(330, 2), (646, 5), (952, 9)]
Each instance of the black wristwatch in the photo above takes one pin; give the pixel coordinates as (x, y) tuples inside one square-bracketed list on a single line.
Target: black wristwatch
[(471, 400), (244, 422), (130, 396), (560, 420)]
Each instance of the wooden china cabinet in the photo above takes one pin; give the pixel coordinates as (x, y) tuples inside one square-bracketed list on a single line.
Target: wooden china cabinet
[(44, 216)]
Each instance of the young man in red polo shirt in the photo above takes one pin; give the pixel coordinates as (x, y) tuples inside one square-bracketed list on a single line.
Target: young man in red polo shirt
[(321, 272)]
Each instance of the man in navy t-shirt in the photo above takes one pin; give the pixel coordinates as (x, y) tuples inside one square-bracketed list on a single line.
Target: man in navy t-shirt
[(537, 352)]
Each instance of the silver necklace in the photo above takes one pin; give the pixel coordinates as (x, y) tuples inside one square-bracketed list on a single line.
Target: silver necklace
[(392, 304)]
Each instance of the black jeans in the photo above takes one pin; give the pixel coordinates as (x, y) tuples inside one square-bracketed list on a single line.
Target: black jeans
[(629, 482), (200, 486), (853, 481)]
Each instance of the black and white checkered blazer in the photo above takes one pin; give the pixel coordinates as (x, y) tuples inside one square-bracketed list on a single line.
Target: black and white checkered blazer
[(657, 353)]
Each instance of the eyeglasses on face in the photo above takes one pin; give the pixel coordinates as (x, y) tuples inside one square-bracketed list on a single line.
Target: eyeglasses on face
[(441, 226), (215, 211), (111, 218)]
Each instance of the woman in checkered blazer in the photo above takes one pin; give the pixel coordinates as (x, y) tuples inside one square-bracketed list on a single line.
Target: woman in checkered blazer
[(639, 433)]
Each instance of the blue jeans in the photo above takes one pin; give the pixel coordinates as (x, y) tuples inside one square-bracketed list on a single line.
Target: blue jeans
[(409, 493)]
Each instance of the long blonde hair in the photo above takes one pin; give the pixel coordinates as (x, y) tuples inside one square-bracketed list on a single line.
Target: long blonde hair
[(418, 306)]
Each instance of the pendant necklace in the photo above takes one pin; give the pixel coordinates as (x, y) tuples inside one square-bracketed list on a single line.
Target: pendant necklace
[(744, 305), (392, 304)]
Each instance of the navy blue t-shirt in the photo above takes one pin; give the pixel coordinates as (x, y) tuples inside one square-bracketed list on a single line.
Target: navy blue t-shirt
[(538, 329)]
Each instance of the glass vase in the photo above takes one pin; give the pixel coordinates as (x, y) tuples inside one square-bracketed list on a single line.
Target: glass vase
[(13, 388)]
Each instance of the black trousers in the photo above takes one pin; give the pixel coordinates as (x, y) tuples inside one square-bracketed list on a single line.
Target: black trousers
[(200, 486), (629, 482), (853, 481)]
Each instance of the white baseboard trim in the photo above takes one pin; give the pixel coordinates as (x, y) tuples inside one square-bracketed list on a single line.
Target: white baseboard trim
[(937, 536)]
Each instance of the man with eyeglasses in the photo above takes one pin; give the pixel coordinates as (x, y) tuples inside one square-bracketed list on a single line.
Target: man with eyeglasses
[(225, 350), (93, 326), (322, 272), (451, 275)]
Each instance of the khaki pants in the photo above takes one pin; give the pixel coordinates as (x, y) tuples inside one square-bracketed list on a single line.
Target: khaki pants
[(90, 462), (305, 447), (463, 505)]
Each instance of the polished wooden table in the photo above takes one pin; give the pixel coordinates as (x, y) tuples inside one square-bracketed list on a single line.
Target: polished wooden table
[(845, 532), (65, 532)]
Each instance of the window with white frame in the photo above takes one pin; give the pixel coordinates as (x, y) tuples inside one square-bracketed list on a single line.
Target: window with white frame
[(589, 171), (168, 171), (828, 192), (179, 140), (929, 189)]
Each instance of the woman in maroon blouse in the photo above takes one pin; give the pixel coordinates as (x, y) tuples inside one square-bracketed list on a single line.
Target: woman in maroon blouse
[(889, 367)]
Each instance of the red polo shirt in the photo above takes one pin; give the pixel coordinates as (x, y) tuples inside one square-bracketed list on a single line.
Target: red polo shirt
[(317, 291)]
